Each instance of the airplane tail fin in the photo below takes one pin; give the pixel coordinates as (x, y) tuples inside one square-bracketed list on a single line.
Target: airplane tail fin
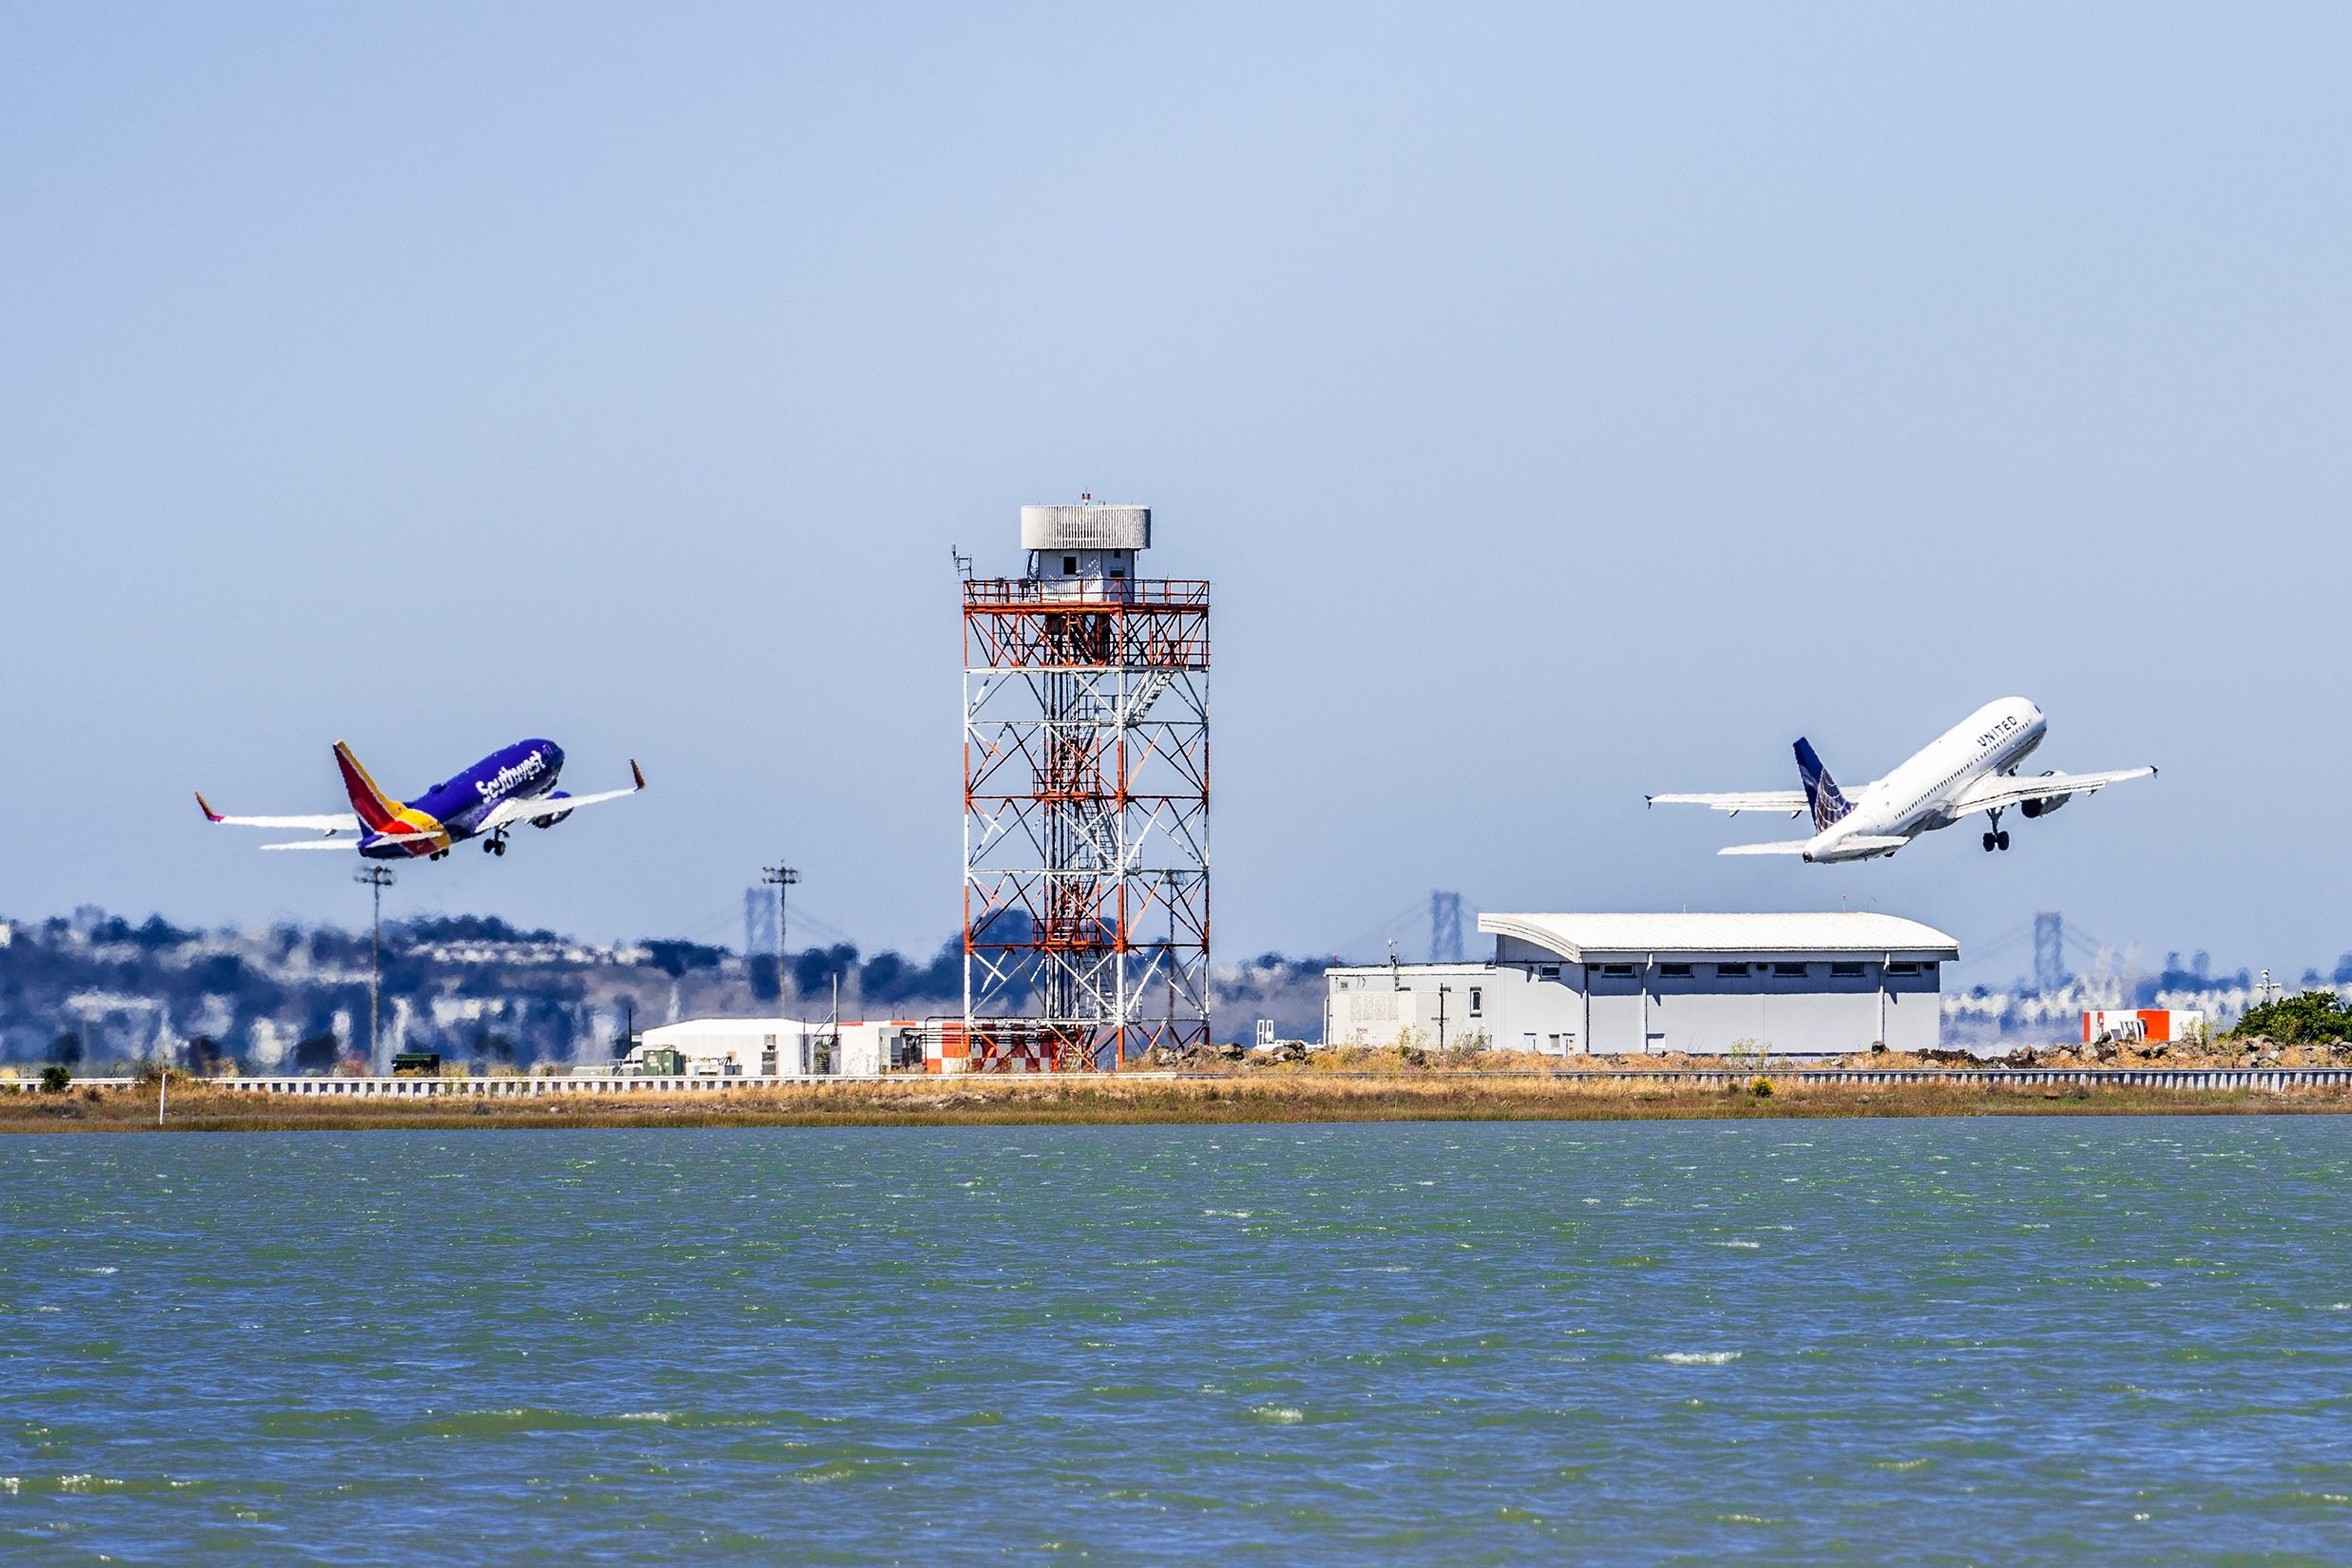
[(1821, 791), (376, 810)]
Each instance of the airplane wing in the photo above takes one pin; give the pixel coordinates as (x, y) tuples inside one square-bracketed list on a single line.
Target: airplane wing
[(516, 809), (315, 844), (1792, 846), (337, 822), (1791, 802), (2001, 791)]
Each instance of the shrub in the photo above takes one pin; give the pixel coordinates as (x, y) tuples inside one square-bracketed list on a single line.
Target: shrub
[(2306, 1020), (54, 1079), (1761, 1088)]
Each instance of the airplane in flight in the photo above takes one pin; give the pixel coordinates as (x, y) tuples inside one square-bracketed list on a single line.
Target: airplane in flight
[(516, 784), (1972, 767)]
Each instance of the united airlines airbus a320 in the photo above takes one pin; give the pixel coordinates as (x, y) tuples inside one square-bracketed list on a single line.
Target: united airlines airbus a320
[(505, 788), (1970, 768)]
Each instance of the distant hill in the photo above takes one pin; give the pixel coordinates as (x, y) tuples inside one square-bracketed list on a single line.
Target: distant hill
[(95, 989)]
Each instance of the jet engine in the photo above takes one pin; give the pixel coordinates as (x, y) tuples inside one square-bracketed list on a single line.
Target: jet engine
[(551, 818), (2043, 805)]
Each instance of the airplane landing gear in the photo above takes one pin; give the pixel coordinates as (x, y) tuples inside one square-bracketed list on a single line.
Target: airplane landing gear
[(495, 844), (1997, 839)]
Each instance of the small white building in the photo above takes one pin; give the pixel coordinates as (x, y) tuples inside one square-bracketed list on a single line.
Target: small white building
[(780, 1048), (1628, 984)]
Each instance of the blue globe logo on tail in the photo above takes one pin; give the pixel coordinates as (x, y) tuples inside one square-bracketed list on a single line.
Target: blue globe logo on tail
[(1821, 791)]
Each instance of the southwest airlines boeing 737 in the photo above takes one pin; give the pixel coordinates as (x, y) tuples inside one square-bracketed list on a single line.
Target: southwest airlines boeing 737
[(505, 788), (1970, 768)]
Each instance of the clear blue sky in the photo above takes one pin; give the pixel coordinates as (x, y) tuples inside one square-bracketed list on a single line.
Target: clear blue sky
[(1566, 403)]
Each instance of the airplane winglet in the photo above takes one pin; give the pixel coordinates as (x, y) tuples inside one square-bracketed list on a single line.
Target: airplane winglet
[(210, 816), (636, 773)]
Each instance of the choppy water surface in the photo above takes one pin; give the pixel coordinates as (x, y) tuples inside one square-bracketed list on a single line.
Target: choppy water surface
[(1926, 1341)]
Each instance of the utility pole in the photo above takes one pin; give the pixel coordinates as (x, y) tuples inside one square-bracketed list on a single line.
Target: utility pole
[(378, 878), (780, 877)]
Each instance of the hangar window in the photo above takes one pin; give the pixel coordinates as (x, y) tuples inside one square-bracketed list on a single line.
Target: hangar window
[(1790, 971), (1676, 971), (1478, 998), (1903, 969), (1731, 971), (1845, 971), (1625, 969), (1070, 566), (1549, 971)]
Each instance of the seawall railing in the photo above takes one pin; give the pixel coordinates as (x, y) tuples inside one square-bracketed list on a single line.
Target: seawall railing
[(517, 1087), (2147, 1078)]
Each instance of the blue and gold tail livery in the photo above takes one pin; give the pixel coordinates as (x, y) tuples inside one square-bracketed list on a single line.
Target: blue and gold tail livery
[(1821, 791)]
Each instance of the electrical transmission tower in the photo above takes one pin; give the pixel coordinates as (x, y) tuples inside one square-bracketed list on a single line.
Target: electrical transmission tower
[(2048, 953), (1444, 926)]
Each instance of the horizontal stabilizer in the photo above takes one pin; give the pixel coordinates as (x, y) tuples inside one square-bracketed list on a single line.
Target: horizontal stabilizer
[(1791, 802), (1793, 846), (337, 822)]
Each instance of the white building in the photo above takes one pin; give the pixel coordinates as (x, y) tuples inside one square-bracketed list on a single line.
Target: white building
[(771, 1047), (1627, 984)]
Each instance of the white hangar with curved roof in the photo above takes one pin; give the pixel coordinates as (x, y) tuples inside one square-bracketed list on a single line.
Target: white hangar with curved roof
[(1632, 985)]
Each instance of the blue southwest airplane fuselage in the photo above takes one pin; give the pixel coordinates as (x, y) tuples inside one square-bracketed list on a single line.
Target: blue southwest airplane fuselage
[(451, 812), (514, 784)]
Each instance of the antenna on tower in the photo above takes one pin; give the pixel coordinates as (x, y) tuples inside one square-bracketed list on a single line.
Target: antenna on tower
[(963, 564)]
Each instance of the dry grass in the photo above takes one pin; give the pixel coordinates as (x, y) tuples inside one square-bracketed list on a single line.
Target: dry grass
[(1253, 1097)]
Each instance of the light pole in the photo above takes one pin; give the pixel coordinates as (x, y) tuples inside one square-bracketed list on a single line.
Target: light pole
[(378, 878), (780, 877)]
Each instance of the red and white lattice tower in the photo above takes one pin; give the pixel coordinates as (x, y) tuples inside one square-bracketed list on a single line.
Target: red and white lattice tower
[(1086, 800)]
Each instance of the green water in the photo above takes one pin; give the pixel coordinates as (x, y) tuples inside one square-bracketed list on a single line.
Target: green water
[(1961, 1341)]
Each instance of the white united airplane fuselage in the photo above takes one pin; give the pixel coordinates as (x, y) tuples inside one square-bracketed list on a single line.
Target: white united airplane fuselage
[(1970, 768)]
